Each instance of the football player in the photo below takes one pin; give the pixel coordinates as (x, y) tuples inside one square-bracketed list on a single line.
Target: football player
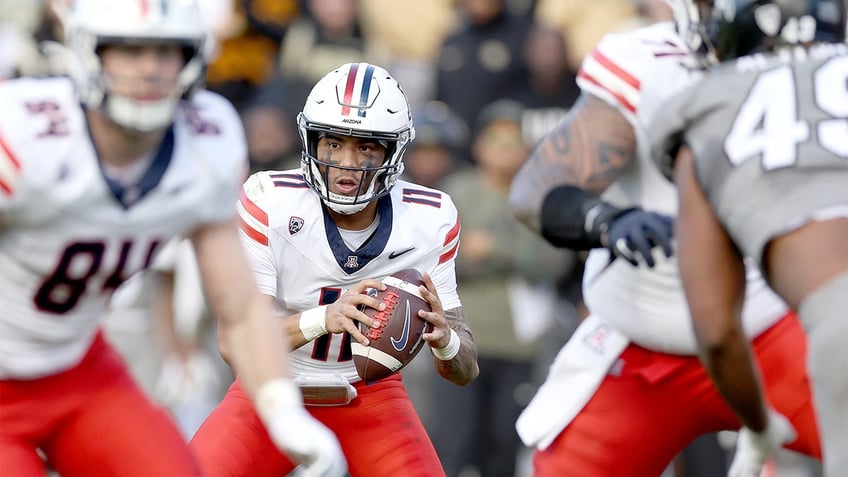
[(97, 172), (319, 237), (628, 387), (763, 173)]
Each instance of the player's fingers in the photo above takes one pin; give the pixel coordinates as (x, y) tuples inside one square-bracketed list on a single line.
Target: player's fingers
[(641, 245), (364, 285), (432, 299), (623, 250), (437, 320), (363, 318), (428, 282), (360, 301), (353, 330)]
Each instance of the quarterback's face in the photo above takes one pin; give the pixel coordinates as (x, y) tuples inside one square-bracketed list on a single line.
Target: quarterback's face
[(347, 162), (142, 72)]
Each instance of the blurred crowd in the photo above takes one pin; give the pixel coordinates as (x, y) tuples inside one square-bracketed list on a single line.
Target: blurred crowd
[(486, 79)]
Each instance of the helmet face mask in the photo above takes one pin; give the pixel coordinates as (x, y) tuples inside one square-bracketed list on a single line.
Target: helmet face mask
[(361, 101), (92, 25), (733, 28)]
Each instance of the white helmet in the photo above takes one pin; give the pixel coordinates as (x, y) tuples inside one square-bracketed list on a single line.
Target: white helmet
[(687, 17), (90, 24), (358, 100)]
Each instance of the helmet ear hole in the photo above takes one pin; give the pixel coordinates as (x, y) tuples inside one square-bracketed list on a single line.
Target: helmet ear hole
[(363, 101)]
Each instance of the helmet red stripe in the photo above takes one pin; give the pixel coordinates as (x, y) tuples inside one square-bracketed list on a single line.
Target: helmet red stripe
[(348, 94)]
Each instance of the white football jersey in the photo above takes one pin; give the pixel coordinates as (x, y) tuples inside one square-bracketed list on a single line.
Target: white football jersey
[(300, 258), (637, 72), (69, 236)]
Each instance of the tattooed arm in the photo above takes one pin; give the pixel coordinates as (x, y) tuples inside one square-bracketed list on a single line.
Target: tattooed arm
[(462, 368), (453, 346), (589, 149)]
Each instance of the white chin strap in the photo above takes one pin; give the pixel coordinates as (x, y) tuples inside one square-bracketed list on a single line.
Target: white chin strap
[(140, 116), (337, 202), (344, 209)]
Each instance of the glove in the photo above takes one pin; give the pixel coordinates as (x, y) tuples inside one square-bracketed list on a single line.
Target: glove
[(634, 233), (754, 448), (295, 432)]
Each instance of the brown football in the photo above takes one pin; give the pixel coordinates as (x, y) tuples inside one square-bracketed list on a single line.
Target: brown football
[(398, 339)]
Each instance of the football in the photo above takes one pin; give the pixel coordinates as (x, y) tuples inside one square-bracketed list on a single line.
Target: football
[(398, 339)]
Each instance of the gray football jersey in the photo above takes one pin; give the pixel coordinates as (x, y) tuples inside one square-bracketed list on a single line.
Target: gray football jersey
[(770, 134)]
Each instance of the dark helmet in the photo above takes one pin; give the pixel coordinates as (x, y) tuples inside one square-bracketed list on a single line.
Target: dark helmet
[(733, 28)]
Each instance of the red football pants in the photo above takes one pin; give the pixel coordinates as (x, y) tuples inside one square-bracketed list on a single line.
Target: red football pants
[(380, 434), (643, 416), (90, 420)]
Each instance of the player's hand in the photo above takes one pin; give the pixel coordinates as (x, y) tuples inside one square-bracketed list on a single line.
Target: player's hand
[(754, 448), (633, 235), (440, 336), (304, 439), (343, 314)]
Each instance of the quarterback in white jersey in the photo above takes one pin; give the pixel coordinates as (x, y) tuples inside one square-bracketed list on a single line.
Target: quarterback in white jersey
[(288, 227), (318, 238), (636, 353), (97, 172)]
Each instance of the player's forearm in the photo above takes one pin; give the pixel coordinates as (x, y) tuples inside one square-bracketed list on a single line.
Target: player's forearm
[(255, 345), (731, 365), (462, 368), (589, 149), (295, 336)]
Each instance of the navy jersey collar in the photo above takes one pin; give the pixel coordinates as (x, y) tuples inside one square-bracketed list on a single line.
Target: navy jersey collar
[(349, 260), (127, 196)]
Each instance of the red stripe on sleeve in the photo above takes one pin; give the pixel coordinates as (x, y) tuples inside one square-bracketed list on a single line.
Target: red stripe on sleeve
[(253, 233), (621, 99), (449, 254), (452, 233), (253, 209), (5, 188), (615, 69), (15, 163)]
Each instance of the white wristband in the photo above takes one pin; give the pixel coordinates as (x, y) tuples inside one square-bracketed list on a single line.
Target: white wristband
[(274, 395), (448, 352), (313, 322)]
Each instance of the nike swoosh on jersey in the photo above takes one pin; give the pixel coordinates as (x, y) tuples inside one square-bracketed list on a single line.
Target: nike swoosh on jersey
[(398, 253), (400, 344)]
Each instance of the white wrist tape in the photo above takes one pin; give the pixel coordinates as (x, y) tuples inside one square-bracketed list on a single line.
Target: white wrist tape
[(313, 322), (275, 395), (448, 352)]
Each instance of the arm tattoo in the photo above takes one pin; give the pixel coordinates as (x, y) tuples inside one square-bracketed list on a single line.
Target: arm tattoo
[(589, 149), (462, 369)]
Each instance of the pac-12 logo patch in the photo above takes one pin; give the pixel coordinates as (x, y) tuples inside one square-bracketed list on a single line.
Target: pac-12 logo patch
[(295, 225)]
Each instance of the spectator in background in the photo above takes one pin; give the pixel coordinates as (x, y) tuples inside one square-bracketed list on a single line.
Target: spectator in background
[(271, 136), (440, 138), (502, 263), (248, 47), (583, 22), (327, 35), (407, 34), (481, 61), (549, 88)]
